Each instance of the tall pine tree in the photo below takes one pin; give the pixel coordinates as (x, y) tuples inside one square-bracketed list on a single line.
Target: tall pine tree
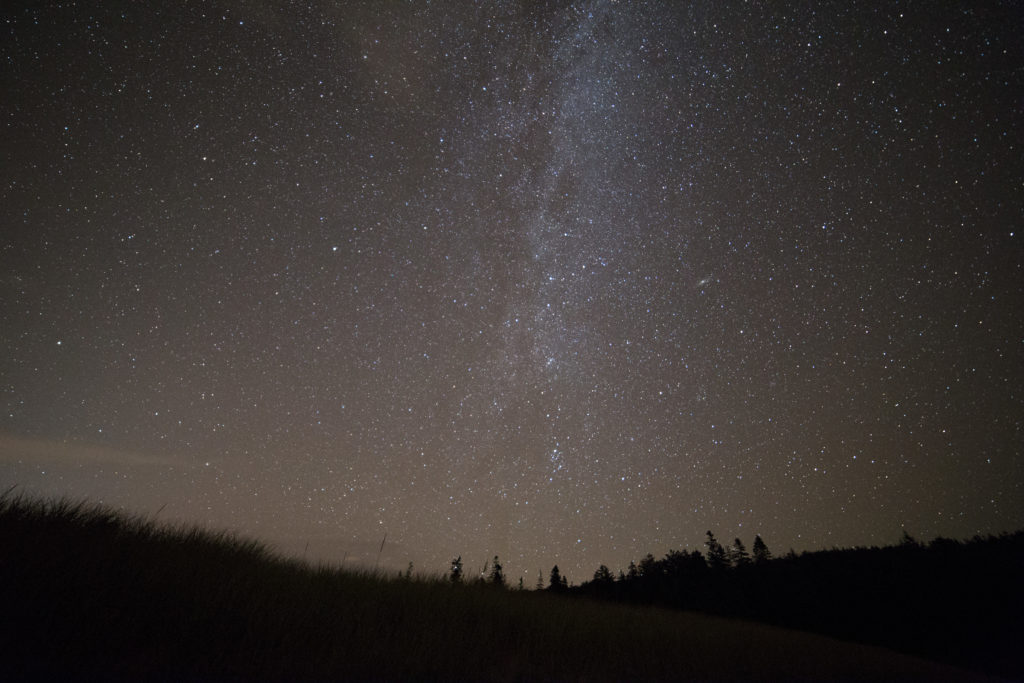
[(717, 558), (739, 555), (558, 582), (761, 553)]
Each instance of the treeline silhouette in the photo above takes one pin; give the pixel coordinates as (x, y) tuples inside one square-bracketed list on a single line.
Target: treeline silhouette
[(960, 602)]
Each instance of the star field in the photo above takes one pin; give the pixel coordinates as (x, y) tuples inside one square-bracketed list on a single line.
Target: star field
[(566, 284)]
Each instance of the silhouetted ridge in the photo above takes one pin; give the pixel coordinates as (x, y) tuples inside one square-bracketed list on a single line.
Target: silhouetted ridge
[(92, 594)]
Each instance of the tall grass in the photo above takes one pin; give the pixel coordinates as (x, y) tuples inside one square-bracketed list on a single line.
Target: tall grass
[(90, 593)]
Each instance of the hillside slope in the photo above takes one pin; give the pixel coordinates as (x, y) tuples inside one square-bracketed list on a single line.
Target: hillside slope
[(88, 593)]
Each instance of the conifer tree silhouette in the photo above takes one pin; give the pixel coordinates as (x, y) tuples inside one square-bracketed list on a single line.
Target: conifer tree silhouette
[(761, 552), (558, 582), (603, 575), (497, 576), (648, 566), (738, 555), (717, 557), (456, 571)]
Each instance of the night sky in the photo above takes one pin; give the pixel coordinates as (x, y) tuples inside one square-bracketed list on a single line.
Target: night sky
[(563, 283)]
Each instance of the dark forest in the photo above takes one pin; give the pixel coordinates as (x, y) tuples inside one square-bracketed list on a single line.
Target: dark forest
[(953, 601)]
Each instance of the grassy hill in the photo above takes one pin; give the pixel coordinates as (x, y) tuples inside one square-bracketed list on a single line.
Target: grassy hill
[(89, 593)]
